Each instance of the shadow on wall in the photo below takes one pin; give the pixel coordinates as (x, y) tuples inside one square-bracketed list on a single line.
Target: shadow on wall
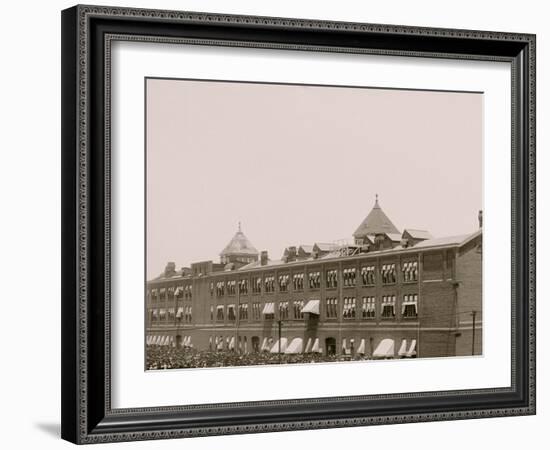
[(53, 429)]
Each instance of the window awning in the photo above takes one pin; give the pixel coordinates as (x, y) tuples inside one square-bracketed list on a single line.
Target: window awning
[(312, 307), (269, 308), (405, 304), (361, 349), (316, 348), (296, 346), (219, 307), (275, 347), (264, 345), (232, 343), (308, 346), (155, 313), (344, 346), (412, 349), (403, 349), (385, 349), (180, 312)]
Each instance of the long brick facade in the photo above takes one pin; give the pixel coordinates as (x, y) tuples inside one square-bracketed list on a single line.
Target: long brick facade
[(419, 292)]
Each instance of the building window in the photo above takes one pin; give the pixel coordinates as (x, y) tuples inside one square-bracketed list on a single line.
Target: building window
[(171, 291), (188, 314), (297, 306), (231, 312), (256, 311), (220, 289), (231, 288), (256, 285), (211, 289), (211, 313), (243, 311), (269, 283), (410, 271), (332, 278), (178, 293), (162, 294), (368, 308), (388, 274), (283, 310), (368, 275), (349, 276), (171, 314), (219, 313), (154, 295), (243, 287), (331, 308), (349, 308), (298, 281), (314, 280), (188, 292), (409, 307), (283, 282), (388, 307)]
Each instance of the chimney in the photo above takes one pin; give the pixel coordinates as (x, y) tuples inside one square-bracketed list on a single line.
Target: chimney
[(292, 253), (263, 258), (480, 218)]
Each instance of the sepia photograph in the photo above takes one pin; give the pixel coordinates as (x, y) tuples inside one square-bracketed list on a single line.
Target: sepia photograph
[(294, 223)]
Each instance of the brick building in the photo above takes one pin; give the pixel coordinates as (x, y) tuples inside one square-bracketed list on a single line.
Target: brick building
[(388, 294)]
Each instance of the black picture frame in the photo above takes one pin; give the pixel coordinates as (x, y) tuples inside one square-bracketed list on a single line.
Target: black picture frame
[(87, 416)]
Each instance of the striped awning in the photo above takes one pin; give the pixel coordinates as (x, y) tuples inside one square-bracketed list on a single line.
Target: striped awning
[(403, 348), (361, 349), (296, 346), (269, 308), (412, 349), (275, 347), (312, 307), (385, 349), (316, 348)]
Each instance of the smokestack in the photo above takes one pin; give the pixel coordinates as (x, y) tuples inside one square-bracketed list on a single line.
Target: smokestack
[(480, 218), (263, 257)]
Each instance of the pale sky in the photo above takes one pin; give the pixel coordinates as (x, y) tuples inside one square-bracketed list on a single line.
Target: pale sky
[(302, 164)]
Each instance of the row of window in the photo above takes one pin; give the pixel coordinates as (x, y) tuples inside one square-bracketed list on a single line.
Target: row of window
[(183, 314), (293, 310), (349, 276), (170, 293)]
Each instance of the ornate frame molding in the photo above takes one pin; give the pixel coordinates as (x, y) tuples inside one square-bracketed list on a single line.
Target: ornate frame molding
[(83, 421)]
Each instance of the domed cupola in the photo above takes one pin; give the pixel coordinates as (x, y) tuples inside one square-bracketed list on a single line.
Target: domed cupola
[(239, 250)]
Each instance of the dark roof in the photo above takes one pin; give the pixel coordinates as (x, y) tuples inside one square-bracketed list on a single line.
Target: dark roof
[(239, 245), (376, 223)]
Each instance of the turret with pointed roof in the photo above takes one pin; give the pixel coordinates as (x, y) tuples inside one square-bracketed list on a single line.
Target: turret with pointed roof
[(375, 223), (239, 250)]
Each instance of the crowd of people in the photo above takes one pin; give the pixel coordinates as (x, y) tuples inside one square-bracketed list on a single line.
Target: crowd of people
[(168, 357)]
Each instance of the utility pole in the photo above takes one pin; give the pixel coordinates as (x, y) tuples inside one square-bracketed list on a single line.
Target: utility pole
[(473, 331), (279, 323), (238, 312)]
